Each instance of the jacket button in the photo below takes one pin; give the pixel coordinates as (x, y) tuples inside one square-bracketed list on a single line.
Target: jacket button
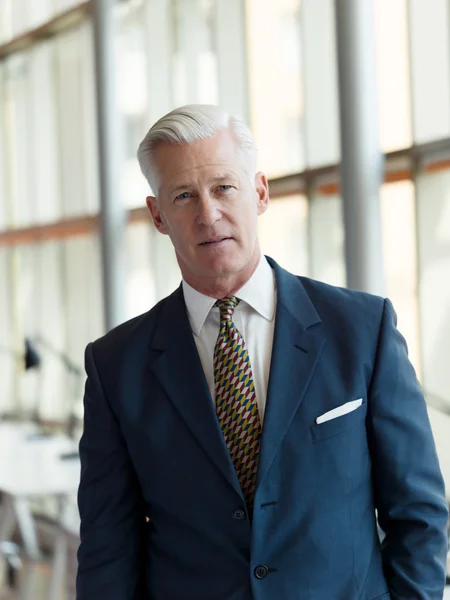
[(238, 514), (261, 571)]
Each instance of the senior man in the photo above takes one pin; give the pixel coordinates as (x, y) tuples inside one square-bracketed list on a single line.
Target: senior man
[(240, 436)]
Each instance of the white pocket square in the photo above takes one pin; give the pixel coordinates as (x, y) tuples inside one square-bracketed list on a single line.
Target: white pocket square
[(339, 411)]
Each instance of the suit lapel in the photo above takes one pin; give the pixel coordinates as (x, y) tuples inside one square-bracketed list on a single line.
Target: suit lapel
[(176, 364), (297, 346)]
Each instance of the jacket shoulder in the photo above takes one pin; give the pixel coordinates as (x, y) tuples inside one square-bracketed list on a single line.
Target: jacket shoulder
[(342, 302), (134, 333)]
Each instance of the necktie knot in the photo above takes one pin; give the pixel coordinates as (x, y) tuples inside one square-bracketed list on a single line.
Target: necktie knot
[(227, 307)]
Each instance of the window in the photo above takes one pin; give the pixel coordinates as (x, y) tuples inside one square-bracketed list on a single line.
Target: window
[(326, 229), (430, 64), (275, 89), (394, 94), (433, 223), (18, 150), (133, 98), (398, 222), (141, 290), (195, 62), (4, 167), (8, 362), (320, 83), (77, 121), (283, 233)]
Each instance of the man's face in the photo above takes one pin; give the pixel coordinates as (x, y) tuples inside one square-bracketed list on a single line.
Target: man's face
[(209, 206)]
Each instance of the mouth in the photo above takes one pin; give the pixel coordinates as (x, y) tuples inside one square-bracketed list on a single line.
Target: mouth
[(216, 241)]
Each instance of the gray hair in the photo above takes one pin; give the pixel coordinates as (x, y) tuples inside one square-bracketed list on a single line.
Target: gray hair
[(192, 123)]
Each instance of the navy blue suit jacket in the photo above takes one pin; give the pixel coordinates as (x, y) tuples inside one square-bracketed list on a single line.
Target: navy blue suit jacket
[(152, 447)]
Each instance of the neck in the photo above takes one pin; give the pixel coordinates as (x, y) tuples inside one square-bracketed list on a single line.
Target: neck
[(223, 287)]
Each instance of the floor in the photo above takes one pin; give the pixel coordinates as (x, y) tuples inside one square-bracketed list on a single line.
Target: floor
[(38, 582)]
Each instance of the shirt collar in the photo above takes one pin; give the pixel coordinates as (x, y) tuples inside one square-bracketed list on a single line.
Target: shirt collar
[(258, 292)]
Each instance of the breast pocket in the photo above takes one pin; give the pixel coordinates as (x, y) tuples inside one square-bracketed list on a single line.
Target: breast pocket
[(338, 425)]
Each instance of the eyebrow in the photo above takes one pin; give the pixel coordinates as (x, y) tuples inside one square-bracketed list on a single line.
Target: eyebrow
[(219, 179)]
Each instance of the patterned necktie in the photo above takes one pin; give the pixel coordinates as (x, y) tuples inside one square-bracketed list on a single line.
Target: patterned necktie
[(236, 406)]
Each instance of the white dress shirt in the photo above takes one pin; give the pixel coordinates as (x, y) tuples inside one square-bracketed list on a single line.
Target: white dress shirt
[(254, 317)]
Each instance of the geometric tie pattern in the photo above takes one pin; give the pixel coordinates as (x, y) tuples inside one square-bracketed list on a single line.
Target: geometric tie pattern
[(236, 406)]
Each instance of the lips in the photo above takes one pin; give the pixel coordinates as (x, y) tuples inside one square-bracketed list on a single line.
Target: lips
[(215, 240)]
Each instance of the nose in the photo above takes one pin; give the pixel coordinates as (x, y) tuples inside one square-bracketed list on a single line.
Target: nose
[(208, 211)]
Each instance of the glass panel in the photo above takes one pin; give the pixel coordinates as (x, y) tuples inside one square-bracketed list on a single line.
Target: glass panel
[(17, 120), (133, 97), (48, 330), (63, 5), (24, 284), (188, 56), (36, 311), (77, 122), (320, 80), (433, 224), (39, 12), (400, 260), (166, 272), (70, 123), (151, 57), (275, 84), (229, 32), (141, 289), (89, 119), (5, 20), (283, 233), (326, 227), (393, 75), (48, 112), (44, 169), (158, 20), (20, 17), (430, 63), (8, 363), (195, 62), (83, 300), (4, 172)]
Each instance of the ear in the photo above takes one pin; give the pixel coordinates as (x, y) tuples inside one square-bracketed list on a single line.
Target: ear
[(262, 190), (157, 217)]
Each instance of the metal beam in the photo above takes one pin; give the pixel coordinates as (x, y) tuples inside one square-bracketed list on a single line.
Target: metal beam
[(361, 162), (113, 213), (58, 24)]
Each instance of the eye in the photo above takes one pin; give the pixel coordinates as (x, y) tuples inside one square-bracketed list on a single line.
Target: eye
[(224, 188), (183, 196)]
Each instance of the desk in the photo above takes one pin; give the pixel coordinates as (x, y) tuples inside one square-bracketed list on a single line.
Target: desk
[(31, 468)]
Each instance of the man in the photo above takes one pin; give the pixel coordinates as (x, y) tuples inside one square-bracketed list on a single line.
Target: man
[(241, 435)]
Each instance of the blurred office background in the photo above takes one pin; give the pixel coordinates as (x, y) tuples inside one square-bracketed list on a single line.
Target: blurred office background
[(275, 64)]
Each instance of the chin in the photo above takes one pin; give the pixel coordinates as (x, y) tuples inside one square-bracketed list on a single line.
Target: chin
[(222, 266)]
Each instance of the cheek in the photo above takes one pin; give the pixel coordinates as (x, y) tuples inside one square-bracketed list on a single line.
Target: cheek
[(184, 234), (173, 221)]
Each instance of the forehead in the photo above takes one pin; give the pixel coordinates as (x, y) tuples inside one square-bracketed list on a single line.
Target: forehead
[(215, 155)]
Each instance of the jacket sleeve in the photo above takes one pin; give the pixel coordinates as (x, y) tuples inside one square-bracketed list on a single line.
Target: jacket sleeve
[(112, 518), (409, 489)]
